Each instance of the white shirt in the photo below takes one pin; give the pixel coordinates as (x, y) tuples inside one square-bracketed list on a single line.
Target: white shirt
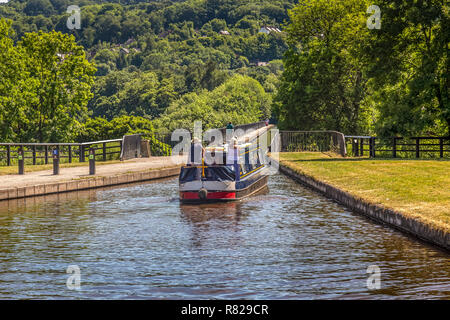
[(233, 154)]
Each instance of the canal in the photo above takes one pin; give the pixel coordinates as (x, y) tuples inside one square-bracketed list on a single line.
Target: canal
[(138, 242)]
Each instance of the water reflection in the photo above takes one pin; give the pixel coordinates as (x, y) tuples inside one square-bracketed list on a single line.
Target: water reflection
[(207, 217), (201, 214)]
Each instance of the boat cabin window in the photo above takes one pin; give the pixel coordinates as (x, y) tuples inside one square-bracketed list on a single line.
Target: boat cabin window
[(222, 173), (190, 174)]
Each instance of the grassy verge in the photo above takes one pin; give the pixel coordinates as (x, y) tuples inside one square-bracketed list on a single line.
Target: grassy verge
[(417, 188), (4, 170)]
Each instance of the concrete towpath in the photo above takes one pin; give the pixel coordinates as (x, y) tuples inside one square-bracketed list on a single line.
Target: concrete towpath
[(14, 186)]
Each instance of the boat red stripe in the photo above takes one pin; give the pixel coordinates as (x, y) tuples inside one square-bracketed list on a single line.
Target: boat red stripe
[(211, 195)]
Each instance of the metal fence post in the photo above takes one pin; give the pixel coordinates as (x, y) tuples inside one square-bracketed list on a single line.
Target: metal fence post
[(21, 160), (372, 147), (394, 148), (361, 150), (417, 148), (34, 155), (8, 156), (91, 161), (56, 161), (104, 151), (355, 148), (46, 154)]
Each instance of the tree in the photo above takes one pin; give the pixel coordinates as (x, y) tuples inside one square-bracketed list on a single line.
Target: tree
[(408, 61), (240, 100), (173, 40), (35, 7), (97, 129), (323, 85), (203, 76), (14, 94), (218, 25), (138, 96), (108, 27), (131, 93), (61, 79)]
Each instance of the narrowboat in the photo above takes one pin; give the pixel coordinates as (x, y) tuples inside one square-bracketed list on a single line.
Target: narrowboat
[(227, 173)]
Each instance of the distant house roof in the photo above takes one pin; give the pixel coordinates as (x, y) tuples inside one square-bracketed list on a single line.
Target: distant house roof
[(262, 63), (224, 32), (267, 30), (129, 41), (125, 50)]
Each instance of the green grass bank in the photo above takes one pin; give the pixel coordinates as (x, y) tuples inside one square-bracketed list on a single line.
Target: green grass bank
[(418, 189)]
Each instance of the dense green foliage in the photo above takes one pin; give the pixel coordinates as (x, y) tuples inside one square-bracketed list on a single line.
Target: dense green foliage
[(44, 88), (409, 65), (160, 65), (154, 57), (98, 129), (344, 76), (323, 84), (240, 100)]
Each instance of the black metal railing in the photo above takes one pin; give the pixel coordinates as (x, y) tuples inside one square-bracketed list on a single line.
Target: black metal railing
[(399, 147), (312, 141), (40, 153)]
